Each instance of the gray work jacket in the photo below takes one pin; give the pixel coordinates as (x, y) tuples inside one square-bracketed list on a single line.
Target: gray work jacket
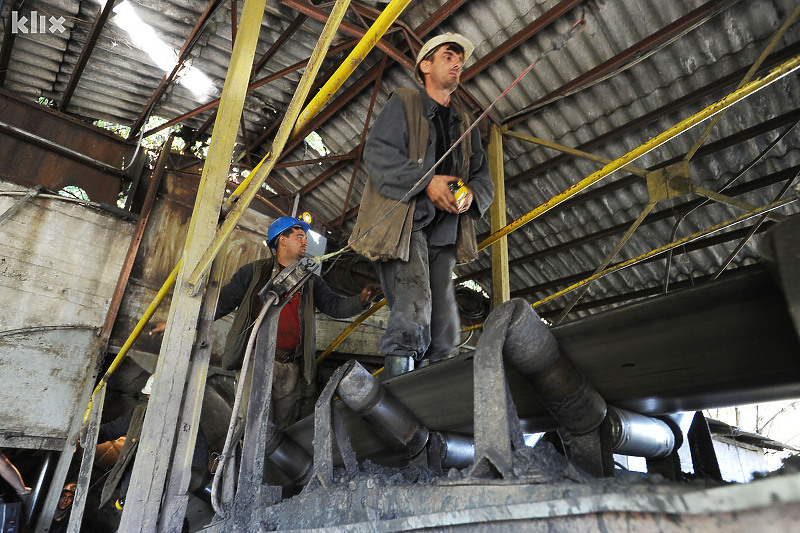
[(401, 148)]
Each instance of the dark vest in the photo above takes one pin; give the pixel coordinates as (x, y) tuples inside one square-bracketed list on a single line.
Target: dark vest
[(391, 238)]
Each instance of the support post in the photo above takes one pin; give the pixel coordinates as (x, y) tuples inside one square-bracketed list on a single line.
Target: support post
[(501, 287), (176, 498), (87, 462), (158, 433)]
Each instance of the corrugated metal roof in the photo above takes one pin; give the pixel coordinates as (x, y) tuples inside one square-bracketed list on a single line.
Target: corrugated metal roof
[(120, 78)]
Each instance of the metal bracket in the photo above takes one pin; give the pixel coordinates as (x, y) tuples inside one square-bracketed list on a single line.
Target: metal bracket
[(670, 182), (324, 411), (493, 404), (289, 280)]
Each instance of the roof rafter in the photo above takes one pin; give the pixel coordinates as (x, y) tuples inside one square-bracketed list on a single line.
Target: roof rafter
[(630, 56), (186, 50)]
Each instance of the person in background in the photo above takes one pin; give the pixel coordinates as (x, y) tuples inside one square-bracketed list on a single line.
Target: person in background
[(61, 516), (295, 354), (12, 476), (130, 425)]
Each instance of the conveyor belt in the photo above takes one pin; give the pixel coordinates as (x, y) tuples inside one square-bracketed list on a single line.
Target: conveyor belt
[(731, 342)]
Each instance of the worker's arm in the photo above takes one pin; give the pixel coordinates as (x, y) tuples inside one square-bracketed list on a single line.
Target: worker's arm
[(386, 154), (116, 428), (232, 293), (333, 304)]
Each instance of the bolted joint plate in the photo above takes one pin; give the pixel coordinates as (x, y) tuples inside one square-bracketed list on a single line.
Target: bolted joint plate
[(670, 182)]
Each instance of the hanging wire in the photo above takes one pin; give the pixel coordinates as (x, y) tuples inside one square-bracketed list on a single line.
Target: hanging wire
[(729, 183)]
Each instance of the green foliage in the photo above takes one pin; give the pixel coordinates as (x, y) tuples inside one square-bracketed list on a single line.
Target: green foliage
[(73, 191), (315, 141)]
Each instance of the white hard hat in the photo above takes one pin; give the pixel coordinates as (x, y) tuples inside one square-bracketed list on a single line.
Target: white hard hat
[(439, 40), (148, 387)]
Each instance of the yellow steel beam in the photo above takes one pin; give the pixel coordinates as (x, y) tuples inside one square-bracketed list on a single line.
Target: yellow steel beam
[(775, 74), (501, 286), (137, 330), (672, 245), (343, 335), (572, 151), (357, 55), (155, 447), (252, 183)]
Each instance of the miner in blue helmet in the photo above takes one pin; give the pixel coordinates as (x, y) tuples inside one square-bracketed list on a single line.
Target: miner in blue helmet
[(295, 353)]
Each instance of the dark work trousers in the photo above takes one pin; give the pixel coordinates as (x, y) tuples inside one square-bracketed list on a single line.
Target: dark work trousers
[(424, 318)]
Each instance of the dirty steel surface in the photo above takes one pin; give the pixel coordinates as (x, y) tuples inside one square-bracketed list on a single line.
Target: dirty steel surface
[(547, 494), (687, 351)]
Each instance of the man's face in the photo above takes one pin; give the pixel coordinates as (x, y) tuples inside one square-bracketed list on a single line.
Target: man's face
[(442, 70), (294, 244), (65, 500)]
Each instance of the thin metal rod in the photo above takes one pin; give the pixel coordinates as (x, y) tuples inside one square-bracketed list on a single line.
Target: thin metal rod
[(30, 193), (636, 223), (670, 246), (752, 231), (727, 184), (733, 202)]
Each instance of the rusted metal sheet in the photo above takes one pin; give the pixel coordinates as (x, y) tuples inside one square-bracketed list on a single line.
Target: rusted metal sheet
[(160, 250), (58, 266), (31, 164)]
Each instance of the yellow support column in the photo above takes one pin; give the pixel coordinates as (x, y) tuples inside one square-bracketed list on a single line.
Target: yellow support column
[(154, 454), (501, 287)]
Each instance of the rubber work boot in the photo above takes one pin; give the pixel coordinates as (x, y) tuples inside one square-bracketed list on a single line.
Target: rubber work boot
[(394, 365)]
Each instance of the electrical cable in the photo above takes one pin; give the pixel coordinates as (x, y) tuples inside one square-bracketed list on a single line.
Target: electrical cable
[(229, 443)]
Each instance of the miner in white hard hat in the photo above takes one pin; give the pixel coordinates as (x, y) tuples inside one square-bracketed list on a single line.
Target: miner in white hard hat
[(417, 244)]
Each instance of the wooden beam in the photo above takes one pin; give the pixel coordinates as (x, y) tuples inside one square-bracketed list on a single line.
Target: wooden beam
[(501, 285)]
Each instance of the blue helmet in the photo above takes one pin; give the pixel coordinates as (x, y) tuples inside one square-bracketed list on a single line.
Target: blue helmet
[(282, 224)]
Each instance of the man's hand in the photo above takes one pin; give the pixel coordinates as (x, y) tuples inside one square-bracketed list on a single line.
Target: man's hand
[(466, 202), (369, 294), (157, 329), (440, 194)]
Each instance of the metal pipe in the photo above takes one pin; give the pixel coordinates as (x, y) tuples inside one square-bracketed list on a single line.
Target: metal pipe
[(390, 419), (288, 456), (639, 435), (60, 149), (456, 450), (41, 486), (564, 390)]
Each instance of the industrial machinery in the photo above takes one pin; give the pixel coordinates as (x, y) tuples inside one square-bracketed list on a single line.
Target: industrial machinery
[(445, 446)]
